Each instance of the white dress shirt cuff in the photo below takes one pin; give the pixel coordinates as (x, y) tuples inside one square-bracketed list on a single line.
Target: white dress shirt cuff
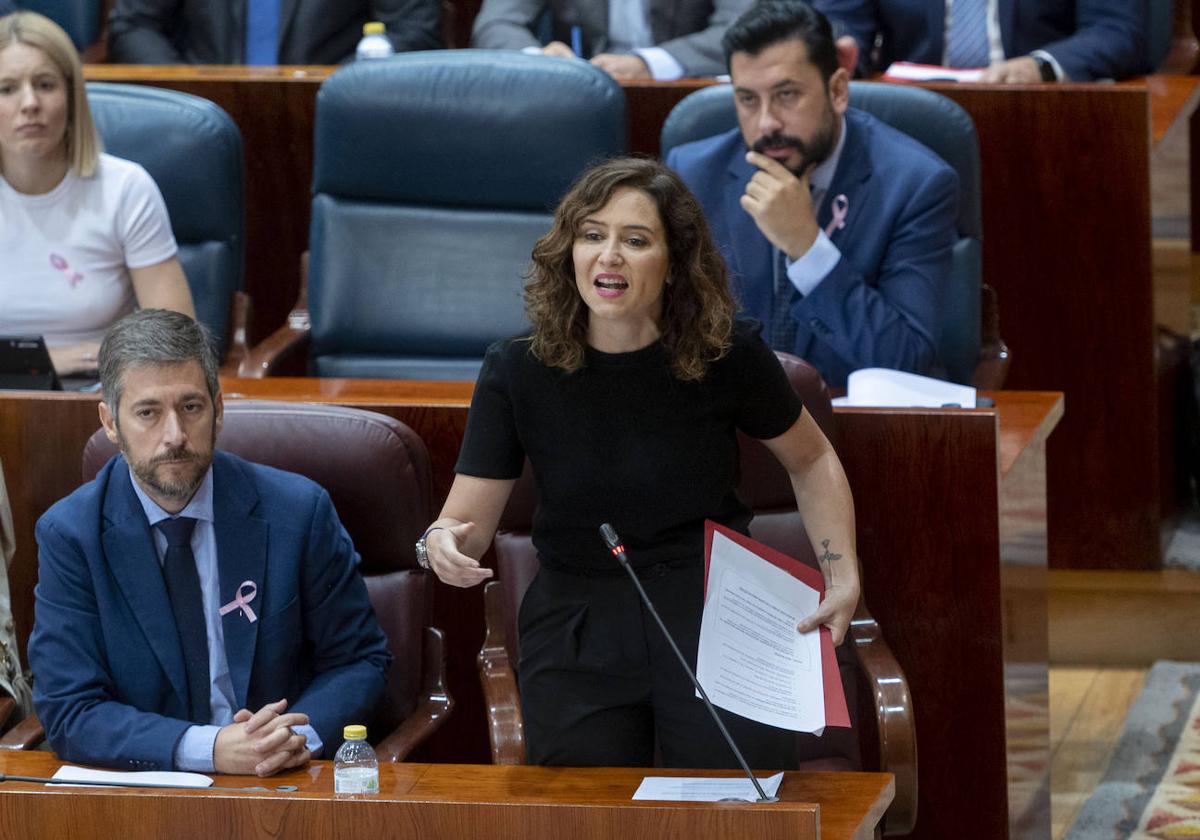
[(194, 752), (662, 64), (814, 266), (311, 739), (1058, 71)]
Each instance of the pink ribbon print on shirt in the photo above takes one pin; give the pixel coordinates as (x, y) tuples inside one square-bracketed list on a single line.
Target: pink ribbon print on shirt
[(241, 601), (840, 206), (73, 277)]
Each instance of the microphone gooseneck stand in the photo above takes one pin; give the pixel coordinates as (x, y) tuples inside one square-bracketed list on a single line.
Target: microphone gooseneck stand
[(618, 550)]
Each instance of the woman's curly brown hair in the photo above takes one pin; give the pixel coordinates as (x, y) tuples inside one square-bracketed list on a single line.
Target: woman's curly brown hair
[(697, 315)]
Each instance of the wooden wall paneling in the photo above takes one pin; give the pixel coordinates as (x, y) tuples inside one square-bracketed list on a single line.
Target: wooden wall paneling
[(1066, 222), (925, 489)]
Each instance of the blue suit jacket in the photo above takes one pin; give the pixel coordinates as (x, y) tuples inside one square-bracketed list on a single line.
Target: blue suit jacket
[(1090, 39), (878, 306), (110, 686)]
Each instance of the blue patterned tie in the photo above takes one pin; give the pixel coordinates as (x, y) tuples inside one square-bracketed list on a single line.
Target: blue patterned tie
[(966, 36), (783, 326), (183, 589), (262, 31)]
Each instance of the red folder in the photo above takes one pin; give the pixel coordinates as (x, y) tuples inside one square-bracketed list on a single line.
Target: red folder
[(835, 697)]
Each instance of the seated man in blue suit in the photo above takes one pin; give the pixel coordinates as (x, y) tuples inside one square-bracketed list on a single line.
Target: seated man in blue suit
[(194, 611), (837, 229), (1018, 41)]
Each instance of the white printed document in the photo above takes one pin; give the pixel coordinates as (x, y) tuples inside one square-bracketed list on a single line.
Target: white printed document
[(692, 789), (83, 775), (907, 71), (751, 660)]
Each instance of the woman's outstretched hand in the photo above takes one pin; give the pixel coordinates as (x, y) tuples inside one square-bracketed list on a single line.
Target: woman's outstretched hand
[(447, 560)]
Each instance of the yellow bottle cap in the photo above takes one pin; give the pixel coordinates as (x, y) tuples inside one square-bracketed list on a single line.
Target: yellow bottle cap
[(355, 732), (374, 27)]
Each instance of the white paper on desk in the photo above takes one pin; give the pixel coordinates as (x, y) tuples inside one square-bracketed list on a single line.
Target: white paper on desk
[(751, 661), (908, 71), (83, 775), (886, 388), (692, 789)]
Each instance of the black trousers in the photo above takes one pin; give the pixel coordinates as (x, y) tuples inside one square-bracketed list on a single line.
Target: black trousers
[(600, 685)]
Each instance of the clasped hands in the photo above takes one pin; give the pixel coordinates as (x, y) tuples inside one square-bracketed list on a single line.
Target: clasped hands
[(262, 742), (625, 66)]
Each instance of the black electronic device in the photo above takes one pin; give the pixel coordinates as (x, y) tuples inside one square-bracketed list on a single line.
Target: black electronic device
[(25, 364)]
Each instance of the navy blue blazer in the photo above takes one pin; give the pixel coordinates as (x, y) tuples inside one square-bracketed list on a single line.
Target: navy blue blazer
[(109, 678), (878, 306), (1090, 39)]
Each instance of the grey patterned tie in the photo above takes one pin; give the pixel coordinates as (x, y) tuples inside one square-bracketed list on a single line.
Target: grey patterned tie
[(966, 35), (783, 326)]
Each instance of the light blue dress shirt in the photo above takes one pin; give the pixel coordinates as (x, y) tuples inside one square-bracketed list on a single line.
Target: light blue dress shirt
[(815, 264), (195, 749), (629, 32)]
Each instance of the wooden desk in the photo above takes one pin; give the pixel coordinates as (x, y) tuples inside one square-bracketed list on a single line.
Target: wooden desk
[(432, 802), (947, 501)]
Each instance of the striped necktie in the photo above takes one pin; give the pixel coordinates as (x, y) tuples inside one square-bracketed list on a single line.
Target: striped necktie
[(966, 35)]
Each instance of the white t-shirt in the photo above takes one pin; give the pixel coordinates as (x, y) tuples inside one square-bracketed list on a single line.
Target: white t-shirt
[(65, 255)]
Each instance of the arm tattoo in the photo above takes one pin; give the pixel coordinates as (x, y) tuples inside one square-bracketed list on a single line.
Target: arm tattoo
[(828, 556)]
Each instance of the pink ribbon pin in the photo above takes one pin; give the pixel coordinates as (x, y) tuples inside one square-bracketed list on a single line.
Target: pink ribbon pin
[(73, 277), (242, 602), (840, 207)]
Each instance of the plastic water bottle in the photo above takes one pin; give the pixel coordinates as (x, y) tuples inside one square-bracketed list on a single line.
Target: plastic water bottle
[(374, 43), (355, 767)]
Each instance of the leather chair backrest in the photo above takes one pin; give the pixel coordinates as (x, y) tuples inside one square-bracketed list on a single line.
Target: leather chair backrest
[(80, 19), (375, 468), (403, 603), (765, 487), (931, 119), (434, 174), (193, 151)]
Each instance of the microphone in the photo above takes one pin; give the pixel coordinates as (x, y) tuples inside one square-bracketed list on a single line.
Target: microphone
[(618, 550)]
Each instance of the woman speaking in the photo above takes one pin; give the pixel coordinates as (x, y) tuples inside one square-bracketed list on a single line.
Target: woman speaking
[(84, 236), (626, 399)]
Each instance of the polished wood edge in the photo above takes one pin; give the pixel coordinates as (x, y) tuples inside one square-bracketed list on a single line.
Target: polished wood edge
[(894, 716), (271, 352), (506, 733), (240, 311), (26, 735), (8, 706), (435, 705), (994, 356)]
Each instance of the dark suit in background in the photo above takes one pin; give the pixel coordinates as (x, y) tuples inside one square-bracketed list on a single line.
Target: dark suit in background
[(690, 30), (878, 306), (1090, 39), (214, 31), (7, 7), (111, 687)]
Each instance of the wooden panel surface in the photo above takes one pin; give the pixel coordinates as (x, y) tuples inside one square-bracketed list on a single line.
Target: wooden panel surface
[(440, 801)]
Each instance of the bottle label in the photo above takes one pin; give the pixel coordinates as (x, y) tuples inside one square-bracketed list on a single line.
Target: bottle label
[(355, 780)]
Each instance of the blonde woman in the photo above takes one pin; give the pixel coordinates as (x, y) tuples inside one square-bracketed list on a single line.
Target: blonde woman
[(84, 236)]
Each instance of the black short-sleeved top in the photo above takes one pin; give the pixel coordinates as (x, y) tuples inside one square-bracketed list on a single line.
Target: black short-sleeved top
[(622, 440)]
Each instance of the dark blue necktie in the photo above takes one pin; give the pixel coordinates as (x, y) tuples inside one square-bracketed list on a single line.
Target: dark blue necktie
[(783, 325), (262, 31), (183, 588)]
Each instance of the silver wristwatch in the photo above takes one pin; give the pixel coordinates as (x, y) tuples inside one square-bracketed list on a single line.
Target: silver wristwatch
[(423, 550)]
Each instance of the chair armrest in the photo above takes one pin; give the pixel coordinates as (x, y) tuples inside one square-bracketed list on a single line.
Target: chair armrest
[(894, 716), (433, 708), (239, 330), (994, 356), (506, 732), (276, 349), (269, 355), (26, 735), (7, 706)]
